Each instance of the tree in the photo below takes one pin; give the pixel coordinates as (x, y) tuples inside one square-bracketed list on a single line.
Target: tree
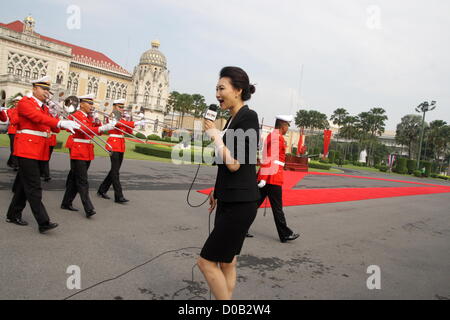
[(303, 120), (372, 124), (408, 131), (338, 118), (172, 104), (439, 140), (350, 131)]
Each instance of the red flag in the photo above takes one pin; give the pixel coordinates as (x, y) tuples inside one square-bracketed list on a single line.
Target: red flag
[(326, 142)]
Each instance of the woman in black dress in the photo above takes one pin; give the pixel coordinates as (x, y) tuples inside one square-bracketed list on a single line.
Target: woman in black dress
[(236, 191)]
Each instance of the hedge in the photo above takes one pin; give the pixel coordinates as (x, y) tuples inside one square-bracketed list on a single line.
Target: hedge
[(411, 166), (140, 135), (427, 166), (418, 173), (400, 166), (318, 165), (383, 168), (166, 152), (154, 137)]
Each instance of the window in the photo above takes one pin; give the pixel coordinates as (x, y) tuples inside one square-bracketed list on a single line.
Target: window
[(89, 88), (75, 87), (146, 97), (108, 93)]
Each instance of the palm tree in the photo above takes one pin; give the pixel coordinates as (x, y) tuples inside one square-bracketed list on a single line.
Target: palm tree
[(372, 123), (338, 118)]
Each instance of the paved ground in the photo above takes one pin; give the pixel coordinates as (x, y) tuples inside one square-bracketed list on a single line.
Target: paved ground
[(408, 238)]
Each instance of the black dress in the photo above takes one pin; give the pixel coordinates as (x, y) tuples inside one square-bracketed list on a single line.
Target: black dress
[(236, 192)]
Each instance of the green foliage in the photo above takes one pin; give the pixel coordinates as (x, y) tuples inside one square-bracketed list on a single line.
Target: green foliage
[(318, 165), (400, 166), (332, 156), (154, 137), (140, 136), (417, 173), (411, 166), (383, 168), (427, 166)]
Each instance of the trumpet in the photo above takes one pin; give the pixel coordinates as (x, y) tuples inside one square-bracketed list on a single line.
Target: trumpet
[(122, 124), (66, 110), (157, 122)]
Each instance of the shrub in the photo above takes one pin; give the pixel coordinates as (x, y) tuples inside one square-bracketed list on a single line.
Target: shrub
[(427, 166), (383, 168), (140, 136), (400, 166), (156, 151), (434, 175), (418, 173), (411, 166), (443, 177), (332, 156), (318, 165), (154, 137)]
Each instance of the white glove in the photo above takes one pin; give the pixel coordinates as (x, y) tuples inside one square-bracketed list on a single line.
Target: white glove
[(141, 123), (107, 127), (262, 184), (69, 125)]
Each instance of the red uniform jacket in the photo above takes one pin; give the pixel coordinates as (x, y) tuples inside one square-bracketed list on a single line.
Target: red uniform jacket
[(274, 156), (55, 132), (117, 143), (3, 117), (37, 119), (80, 144), (13, 120)]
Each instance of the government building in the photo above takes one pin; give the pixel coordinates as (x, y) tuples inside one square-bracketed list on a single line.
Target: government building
[(26, 55)]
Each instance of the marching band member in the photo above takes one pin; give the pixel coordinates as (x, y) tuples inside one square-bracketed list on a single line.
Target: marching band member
[(12, 130), (31, 146), (117, 142), (271, 178), (81, 155)]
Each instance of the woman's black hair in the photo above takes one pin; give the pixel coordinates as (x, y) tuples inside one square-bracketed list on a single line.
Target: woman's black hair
[(239, 80)]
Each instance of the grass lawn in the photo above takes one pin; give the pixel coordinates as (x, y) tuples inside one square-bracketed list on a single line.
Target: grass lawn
[(130, 154)]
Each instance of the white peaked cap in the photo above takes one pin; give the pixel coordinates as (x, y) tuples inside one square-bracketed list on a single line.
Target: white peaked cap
[(45, 79), (87, 97), (119, 101), (286, 118)]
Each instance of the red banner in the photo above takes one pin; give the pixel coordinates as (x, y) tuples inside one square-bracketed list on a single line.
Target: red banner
[(326, 142)]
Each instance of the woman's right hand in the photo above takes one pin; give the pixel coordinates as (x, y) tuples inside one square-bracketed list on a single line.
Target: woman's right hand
[(212, 202)]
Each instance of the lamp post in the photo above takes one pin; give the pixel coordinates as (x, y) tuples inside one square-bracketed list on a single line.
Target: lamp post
[(423, 107)]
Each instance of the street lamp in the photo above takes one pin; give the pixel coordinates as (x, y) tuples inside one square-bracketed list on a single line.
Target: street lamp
[(423, 107)]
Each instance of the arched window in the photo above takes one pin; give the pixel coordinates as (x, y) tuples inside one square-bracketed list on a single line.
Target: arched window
[(95, 89), (69, 84), (59, 78), (119, 94), (108, 92), (19, 71), (35, 74), (124, 95), (89, 88), (146, 97), (11, 69), (75, 87)]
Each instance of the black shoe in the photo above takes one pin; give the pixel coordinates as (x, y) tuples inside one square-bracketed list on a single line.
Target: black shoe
[(103, 195), (47, 179), (248, 235), (90, 213), (19, 222), (290, 238), (16, 169), (47, 227), (122, 200), (70, 208)]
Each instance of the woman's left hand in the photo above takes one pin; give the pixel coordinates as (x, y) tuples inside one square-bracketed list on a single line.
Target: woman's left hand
[(210, 128)]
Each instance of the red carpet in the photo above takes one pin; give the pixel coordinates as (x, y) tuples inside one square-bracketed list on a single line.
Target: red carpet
[(318, 196)]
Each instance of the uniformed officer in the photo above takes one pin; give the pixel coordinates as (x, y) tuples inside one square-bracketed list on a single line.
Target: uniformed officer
[(270, 176), (81, 155), (31, 147), (117, 141), (12, 130)]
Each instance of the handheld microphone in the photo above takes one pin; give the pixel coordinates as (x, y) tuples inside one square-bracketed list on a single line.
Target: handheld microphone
[(211, 112)]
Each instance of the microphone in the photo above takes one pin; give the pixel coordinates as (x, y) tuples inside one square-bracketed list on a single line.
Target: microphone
[(211, 112)]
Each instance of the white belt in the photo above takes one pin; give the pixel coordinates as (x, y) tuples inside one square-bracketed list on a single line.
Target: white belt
[(117, 136), (82, 140), (34, 133), (279, 163)]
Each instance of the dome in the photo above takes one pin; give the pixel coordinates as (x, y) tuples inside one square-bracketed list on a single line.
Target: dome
[(153, 56)]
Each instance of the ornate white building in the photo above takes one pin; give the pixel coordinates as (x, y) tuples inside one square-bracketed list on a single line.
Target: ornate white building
[(26, 55)]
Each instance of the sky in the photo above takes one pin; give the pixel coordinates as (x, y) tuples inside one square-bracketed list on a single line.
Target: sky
[(314, 55)]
